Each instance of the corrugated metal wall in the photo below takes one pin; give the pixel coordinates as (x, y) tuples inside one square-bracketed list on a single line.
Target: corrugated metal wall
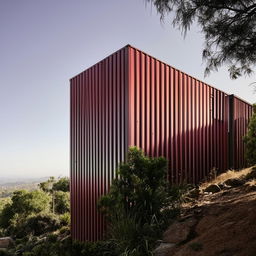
[(131, 98), (174, 115), (98, 139), (242, 112)]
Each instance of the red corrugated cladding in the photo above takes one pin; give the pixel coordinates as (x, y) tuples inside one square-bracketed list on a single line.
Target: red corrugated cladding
[(98, 139), (174, 115), (131, 98), (242, 113)]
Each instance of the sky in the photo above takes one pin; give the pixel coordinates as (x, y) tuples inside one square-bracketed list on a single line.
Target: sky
[(43, 43)]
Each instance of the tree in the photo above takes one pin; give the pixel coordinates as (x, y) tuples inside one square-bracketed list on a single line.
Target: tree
[(24, 203), (47, 186), (139, 204), (52, 187), (61, 185), (250, 140), (61, 202), (229, 28), (141, 188)]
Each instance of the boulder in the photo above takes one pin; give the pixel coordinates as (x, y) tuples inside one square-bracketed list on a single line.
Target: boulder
[(234, 182), (179, 231), (6, 242), (213, 188), (164, 249)]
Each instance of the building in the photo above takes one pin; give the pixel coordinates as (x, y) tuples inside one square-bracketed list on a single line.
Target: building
[(131, 98)]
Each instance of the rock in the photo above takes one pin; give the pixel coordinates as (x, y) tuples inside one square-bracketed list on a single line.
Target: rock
[(251, 175), (6, 242), (214, 188), (234, 182), (179, 231), (164, 249)]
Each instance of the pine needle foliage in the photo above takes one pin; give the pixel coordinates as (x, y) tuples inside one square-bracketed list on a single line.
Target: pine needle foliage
[(229, 29)]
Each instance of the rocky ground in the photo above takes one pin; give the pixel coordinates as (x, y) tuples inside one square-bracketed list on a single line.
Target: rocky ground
[(219, 221)]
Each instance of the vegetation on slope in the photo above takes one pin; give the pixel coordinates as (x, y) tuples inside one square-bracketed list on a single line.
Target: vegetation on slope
[(139, 206)]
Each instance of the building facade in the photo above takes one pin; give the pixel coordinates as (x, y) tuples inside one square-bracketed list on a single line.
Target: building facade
[(132, 99)]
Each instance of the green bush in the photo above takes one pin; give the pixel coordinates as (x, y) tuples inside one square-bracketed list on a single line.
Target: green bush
[(61, 202), (41, 224), (106, 248), (65, 219), (61, 185), (250, 140), (4, 253), (139, 203), (141, 188), (23, 204)]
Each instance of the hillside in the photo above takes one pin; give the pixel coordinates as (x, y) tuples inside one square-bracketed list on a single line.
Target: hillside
[(217, 223), (7, 186)]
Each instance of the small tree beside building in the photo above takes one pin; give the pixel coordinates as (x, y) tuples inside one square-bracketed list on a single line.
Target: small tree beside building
[(250, 140)]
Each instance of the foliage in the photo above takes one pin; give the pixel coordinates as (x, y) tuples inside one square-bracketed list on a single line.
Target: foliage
[(61, 202), (27, 217), (3, 202), (138, 203), (65, 219), (58, 189), (228, 27), (106, 248), (141, 188), (61, 185), (24, 203), (47, 186), (250, 139), (40, 224), (52, 184), (4, 253)]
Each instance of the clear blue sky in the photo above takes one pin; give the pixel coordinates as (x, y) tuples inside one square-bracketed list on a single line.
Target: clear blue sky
[(46, 42)]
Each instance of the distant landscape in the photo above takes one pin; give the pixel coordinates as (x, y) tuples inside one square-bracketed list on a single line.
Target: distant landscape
[(9, 185)]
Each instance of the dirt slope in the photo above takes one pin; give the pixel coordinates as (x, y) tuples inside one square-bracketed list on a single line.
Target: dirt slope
[(225, 221)]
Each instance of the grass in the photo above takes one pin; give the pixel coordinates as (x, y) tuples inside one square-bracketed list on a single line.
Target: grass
[(231, 174)]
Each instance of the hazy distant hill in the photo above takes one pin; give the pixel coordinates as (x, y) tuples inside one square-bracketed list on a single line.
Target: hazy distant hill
[(8, 185), (12, 180)]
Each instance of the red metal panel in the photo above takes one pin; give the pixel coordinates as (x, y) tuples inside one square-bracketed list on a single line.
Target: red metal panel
[(98, 139), (187, 124), (130, 98), (242, 114)]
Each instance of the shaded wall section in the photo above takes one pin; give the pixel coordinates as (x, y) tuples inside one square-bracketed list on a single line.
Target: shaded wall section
[(174, 115), (98, 139), (240, 113)]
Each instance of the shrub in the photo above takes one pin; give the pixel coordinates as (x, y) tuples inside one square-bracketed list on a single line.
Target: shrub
[(40, 224), (65, 219), (4, 253), (250, 140), (61, 202), (106, 248), (24, 203), (141, 188), (61, 185), (138, 203)]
